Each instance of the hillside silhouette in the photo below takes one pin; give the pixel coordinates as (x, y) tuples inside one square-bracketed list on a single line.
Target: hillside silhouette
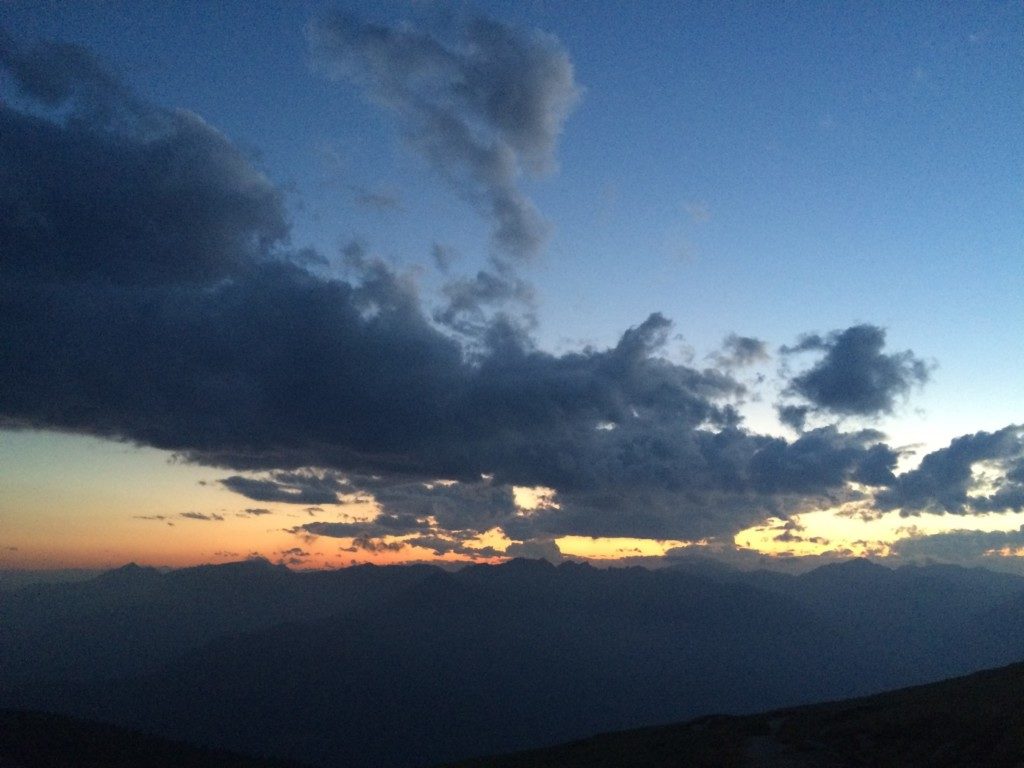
[(39, 740), (972, 721)]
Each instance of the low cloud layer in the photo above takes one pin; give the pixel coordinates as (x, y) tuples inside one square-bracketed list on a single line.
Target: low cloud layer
[(961, 546), (946, 480), (150, 294)]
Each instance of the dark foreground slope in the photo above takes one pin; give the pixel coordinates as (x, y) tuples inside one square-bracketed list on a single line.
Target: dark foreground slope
[(970, 721), (39, 740)]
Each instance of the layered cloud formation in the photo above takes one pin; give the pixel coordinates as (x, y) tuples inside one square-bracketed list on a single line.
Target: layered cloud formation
[(150, 294)]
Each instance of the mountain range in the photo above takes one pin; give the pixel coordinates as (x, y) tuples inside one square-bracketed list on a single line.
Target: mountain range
[(408, 666)]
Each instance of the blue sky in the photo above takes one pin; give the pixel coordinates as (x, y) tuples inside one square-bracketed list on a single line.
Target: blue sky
[(762, 170)]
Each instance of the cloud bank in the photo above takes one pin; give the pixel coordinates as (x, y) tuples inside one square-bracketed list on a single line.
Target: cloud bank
[(150, 294)]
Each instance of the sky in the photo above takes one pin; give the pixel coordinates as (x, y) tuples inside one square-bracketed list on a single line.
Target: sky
[(330, 283)]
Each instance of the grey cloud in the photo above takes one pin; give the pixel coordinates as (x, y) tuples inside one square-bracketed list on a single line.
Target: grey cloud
[(212, 517), (959, 546), (149, 295), (254, 512), (382, 525), (738, 351), (367, 544), (294, 556), (794, 416), (943, 482), (455, 506), (289, 487), (54, 73), (535, 549), (163, 199), (855, 377), (376, 200), (700, 484), (481, 108), (443, 256), (443, 545), (469, 299)]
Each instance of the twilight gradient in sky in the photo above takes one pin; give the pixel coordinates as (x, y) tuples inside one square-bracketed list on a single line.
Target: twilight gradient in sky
[(332, 282)]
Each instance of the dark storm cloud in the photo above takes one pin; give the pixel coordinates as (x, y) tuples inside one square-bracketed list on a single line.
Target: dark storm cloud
[(944, 481), (482, 108), (855, 377), (455, 507), (155, 199), (148, 294), (693, 484)]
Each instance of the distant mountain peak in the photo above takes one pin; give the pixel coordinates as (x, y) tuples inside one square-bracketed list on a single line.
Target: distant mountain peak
[(528, 565), (858, 567), (130, 570)]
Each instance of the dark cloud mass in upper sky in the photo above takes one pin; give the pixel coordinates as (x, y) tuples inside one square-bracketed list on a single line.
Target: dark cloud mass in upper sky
[(150, 293)]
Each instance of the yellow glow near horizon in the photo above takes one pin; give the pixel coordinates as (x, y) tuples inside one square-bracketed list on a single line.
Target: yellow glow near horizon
[(611, 548), (842, 530), (78, 502)]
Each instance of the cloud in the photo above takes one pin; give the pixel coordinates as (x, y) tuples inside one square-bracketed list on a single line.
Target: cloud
[(254, 512), (211, 517), (794, 416), (482, 107), (156, 198), (443, 256), (377, 200), (945, 481), (854, 377), (384, 524), (539, 549), (959, 546), (739, 351), (303, 487), (367, 544), (294, 556), (475, 306), (150, 295), (442, 546), (54, 73)]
